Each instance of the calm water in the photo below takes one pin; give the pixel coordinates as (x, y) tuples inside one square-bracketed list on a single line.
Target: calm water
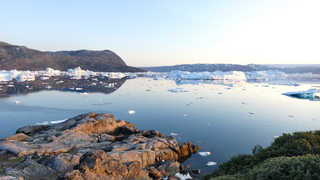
[(223, 118)]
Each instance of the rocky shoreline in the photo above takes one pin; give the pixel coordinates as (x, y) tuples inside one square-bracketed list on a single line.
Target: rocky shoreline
[(92, 146)]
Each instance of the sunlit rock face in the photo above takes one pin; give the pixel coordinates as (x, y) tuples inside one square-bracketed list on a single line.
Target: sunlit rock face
[(93, 146)]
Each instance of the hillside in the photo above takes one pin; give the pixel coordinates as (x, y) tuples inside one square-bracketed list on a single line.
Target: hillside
[(23, 58)]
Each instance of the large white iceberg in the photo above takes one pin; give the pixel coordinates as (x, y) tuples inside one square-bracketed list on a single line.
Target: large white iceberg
[(18, 75), (217, 75), (229, 75), (5, 76), (271, 75), (311, 94), (76, 73)]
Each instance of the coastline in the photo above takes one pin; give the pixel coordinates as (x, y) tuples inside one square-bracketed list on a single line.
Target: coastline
[(92, 146)]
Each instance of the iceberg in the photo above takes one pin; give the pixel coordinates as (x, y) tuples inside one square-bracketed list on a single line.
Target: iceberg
[(271, 75), (76, 73), (177, 90), (311, 94), (20, 76), (4, 76), (174, 134), (211, 163), (183, 176), (204, 153), (131, 112), (217, 75)]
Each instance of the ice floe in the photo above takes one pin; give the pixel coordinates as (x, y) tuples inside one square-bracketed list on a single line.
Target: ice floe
[(131, 112), (211, 163), (311, 94), (204, 153), (271, 75), (217, 75), (18, 75), (181, 77), (183, 176), (177, 90), (174, 134), (76, 73)]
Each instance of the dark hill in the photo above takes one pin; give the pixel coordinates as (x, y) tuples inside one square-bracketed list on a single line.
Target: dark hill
[(23, 58)]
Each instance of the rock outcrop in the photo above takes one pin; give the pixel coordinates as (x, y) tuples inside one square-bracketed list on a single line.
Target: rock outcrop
[(92, 146)]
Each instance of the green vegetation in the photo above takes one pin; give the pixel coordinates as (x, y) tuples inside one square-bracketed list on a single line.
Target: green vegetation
[(291, 156)]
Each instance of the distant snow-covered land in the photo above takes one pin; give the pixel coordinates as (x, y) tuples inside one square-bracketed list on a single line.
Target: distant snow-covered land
[(78, 73)]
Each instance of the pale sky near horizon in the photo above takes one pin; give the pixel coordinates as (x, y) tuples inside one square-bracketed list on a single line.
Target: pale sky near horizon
[(168, 32)]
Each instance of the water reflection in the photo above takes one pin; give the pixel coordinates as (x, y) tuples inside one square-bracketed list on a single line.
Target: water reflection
[(85, 85)]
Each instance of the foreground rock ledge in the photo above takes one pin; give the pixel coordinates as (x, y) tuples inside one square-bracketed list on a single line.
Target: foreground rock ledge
[(91, 146)]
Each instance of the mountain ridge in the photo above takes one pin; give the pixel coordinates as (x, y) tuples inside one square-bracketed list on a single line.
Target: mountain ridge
[(24, 58)]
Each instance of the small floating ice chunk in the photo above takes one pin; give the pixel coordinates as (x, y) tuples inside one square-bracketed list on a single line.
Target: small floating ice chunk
[(174, 134), (211, 163), (177, 90), (17, 102), (291, 116), (204, 153), (311, 94), (131, 112), (44, 78), (185, 115), (183, 176), (251, 113)]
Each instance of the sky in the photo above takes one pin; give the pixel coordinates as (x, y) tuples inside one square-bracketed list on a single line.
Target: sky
[(169, 32)]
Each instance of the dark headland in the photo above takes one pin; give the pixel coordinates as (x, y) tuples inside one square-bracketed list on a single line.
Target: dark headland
[(23, 58)]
